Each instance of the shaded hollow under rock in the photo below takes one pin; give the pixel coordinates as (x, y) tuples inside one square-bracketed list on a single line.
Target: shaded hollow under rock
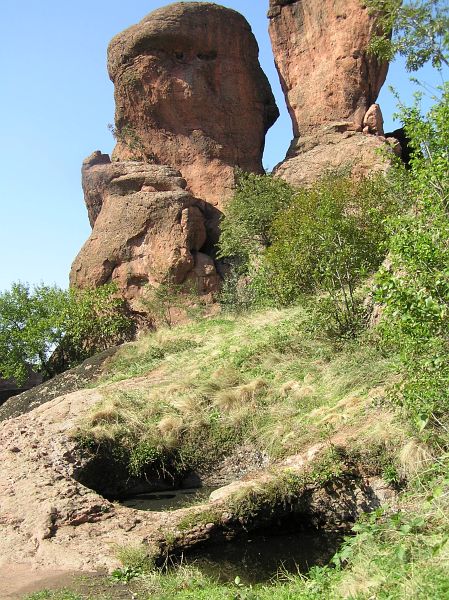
[(261, 555)]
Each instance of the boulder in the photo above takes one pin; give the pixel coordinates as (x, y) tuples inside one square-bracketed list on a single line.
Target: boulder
[(190, 93), (373, 121), (320, 51), (146, 228)]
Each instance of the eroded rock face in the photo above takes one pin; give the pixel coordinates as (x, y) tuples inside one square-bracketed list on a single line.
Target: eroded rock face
[(330, 150), (190, 93), (49, 519), (331, 84), (146, 228), (321, 54)]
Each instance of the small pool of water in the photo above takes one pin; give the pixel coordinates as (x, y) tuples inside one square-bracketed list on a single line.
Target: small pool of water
[(169, 499), (260, 558)]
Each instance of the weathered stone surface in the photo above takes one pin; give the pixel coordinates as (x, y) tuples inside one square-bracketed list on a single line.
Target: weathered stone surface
[(10, 388), (44, 509), (373, 121), (190, 93), (328, 150), (94, 181), (146, 228), (77, 378), (321, 54)]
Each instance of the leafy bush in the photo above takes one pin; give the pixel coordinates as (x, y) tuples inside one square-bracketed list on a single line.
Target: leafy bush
[(246, 228), (289, 244), (332, 236), (414, 287), (166, 302), (50, 329)]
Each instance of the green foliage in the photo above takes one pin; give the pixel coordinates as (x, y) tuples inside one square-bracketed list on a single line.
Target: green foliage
[(28, 328), (414, 287), (127, 135), (145, 454), (415, 29), (324, 239), (36, 322), (93, 320), (328, 241), (246, 228), (55, 595), (166, 300)]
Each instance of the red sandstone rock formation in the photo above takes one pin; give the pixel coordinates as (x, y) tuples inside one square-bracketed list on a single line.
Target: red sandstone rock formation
[(320, 50), (373, 121), (190, 93), (331, 84), (146, 229), (329, 150)]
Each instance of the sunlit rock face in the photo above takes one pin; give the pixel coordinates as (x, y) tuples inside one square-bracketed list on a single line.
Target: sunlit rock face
[(326, 72), (147, 229), (331, 83), (190, 93), (192, 104)]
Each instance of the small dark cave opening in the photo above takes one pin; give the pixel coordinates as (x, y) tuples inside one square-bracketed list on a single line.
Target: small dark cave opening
[(106, 471)]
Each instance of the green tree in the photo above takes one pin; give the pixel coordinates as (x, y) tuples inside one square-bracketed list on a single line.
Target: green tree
[(418, 30), (414, 287), (34, 322)]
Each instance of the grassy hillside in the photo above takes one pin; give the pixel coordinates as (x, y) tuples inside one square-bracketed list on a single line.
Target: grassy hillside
[(261, 380), (276, 381), (265, 381)]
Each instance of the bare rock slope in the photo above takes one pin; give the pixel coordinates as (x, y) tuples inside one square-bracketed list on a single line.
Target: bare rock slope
[(50, 520)]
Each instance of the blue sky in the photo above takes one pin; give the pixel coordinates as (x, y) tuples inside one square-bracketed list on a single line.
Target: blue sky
[(56, 101)]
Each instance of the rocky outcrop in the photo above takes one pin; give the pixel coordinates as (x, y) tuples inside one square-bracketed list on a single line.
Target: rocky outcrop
[(85, 374), (48, 519), (326, 73), (332, 150), (10, 387), (192, 104), (373, 121), (190, 93), (146, 229), (331, 83)]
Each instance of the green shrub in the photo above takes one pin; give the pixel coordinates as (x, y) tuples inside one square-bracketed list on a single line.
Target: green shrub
[(135, 561), (50, 329), (324, 239), (168, 300), (414, 286), (246, 228), (327, 242)]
